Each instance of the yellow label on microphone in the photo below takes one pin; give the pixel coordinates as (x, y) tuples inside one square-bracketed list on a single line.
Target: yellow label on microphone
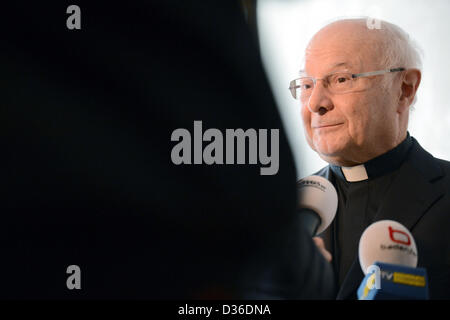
[(370, 283), (409, 279)]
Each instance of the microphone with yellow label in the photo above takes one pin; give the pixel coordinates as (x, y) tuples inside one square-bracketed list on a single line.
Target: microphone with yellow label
[(388, 257)]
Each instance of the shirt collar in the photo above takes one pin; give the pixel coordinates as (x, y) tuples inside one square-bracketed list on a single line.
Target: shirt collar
[(375, 167)]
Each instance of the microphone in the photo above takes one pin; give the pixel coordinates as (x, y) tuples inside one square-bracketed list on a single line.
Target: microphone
[(317, 203), (388, 257)]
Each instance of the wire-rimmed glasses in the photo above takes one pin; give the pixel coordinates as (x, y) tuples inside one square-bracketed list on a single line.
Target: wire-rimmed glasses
[(336, 82)]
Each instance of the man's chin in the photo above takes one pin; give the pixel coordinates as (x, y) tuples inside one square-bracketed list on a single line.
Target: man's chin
[(333, 156), (331, 153), (338, 159), (330, 159), (328, 151)]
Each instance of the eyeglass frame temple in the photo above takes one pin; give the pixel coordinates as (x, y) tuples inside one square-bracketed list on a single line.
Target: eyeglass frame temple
[(375, 73)]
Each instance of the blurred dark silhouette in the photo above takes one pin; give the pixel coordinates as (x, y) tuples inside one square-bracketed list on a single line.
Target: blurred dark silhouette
[(87, 117)]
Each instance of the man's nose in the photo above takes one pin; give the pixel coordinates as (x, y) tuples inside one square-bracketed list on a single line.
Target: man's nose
[(319, 101)]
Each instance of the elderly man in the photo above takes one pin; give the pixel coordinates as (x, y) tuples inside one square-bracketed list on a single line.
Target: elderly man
[(356, 90)]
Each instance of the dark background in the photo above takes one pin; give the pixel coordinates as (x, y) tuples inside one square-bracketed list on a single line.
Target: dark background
[(86, 120)]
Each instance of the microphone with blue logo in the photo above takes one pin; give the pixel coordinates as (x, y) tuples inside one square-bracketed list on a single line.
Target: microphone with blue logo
[(388, 257)]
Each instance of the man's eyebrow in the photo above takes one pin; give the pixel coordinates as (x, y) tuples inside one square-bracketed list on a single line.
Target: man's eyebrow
[(340, 64)]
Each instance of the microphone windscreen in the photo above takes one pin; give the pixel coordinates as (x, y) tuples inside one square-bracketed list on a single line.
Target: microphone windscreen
[(318, 194), (387, 241)]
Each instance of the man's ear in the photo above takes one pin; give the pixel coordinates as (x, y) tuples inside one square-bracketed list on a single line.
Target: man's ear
[(410, 83)]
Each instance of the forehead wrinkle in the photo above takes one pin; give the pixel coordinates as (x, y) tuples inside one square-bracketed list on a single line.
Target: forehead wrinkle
[(350, 38), (355, 52), (332, 62)]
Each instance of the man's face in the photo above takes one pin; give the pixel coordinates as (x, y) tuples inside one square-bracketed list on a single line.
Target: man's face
[(349, 128)]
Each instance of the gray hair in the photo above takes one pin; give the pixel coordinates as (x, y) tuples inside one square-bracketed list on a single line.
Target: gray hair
[(401, 49)]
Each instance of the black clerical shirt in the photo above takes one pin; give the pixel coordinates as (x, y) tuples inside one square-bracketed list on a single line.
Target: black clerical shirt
[(361, 190)]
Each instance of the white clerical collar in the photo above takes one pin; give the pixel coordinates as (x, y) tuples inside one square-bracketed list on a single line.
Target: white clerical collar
[(355, 174)]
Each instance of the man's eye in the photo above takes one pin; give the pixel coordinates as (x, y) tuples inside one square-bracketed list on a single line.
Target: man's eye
[(341, 79), (306, 86)]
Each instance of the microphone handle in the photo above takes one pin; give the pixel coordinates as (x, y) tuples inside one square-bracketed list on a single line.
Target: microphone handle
[(310, 220)]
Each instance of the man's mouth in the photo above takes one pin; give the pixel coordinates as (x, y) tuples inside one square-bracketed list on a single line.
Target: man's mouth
[(326, 125)]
